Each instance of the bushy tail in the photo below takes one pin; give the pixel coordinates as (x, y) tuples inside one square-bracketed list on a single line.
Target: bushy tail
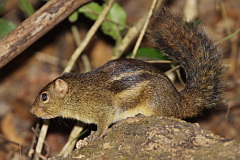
[(200, 58)]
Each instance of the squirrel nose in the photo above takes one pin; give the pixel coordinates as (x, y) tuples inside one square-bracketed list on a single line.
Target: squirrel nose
[(36, 110)]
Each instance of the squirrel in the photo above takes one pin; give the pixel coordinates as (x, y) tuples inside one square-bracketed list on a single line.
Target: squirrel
[(126, 87)]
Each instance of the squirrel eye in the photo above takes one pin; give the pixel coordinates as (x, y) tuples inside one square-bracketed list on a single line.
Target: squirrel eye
[(44, 97)]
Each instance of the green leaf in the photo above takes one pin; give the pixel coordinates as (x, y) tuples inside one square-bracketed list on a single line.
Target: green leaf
[(73, 17), (117, 15), (149, 53), (91, 10), (26, 7), (5, 27), (115, 20)]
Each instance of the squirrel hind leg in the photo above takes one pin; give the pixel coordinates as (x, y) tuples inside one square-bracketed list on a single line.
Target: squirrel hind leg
[(164, 101)]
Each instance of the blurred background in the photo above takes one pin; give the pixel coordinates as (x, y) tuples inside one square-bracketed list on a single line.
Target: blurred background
[(22, 78)]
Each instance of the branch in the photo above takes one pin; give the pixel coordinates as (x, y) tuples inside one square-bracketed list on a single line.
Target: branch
[(161, 138), (35, 27)]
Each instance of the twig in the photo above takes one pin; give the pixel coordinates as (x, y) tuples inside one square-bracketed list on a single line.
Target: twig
[(173, 69), (41, 156), (41, 139), (159, 61), (144, 29), (128, 38), (88, 37), (84, 58), (36, 26), (76, 36), (69, 146), (34, 141), (180, 78), (190, 10), (86, 63)]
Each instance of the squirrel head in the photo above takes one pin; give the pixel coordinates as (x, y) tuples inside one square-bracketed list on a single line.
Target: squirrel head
[(51, 97)]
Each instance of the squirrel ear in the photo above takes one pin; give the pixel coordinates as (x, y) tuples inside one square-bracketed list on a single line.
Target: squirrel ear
[(61, 87)]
